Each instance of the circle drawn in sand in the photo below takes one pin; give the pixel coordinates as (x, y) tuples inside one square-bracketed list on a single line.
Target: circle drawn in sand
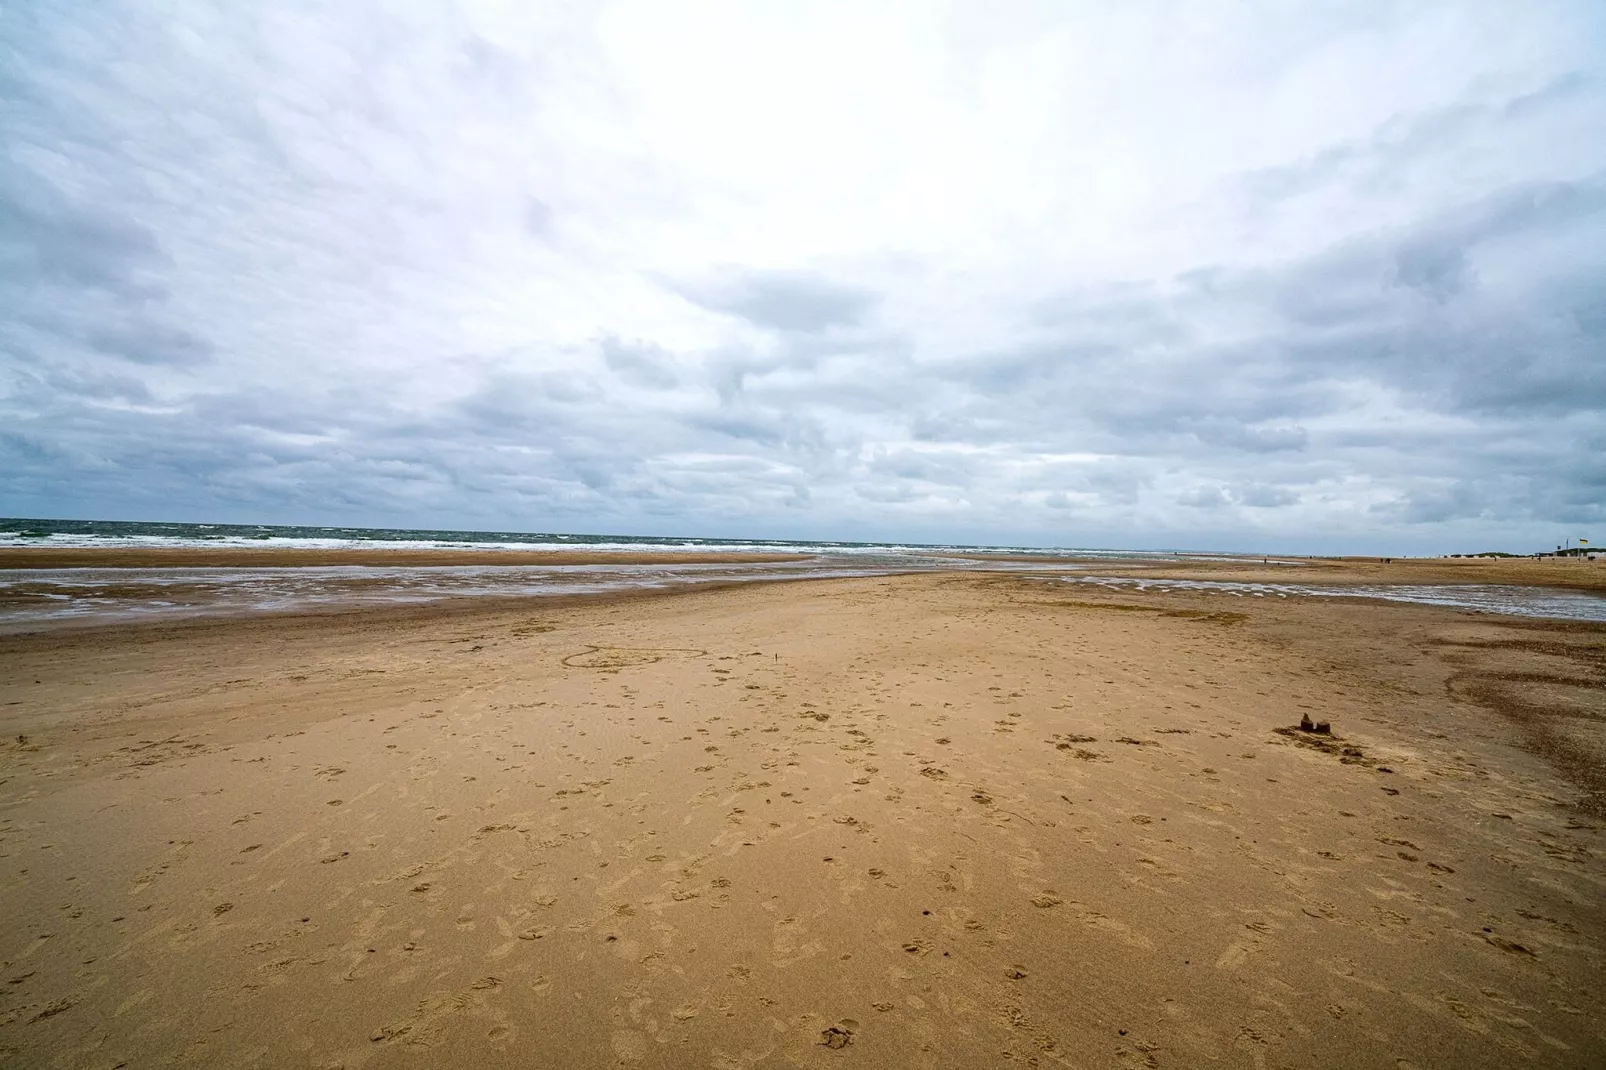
[(623, 657)]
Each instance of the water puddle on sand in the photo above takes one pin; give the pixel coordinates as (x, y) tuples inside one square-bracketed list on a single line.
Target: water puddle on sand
[(39, 598), (1513, 601)]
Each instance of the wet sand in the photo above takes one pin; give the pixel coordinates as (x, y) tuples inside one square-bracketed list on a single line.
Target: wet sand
[(1575, 574), (916, 821)]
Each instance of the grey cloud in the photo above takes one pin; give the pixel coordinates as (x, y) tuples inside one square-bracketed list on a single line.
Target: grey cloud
[(641, 363), (1205, 498), (538, 217), (485, 65), (801, 301), (27, 449), (746, 428), (1117, 482), (1339, 315), (1458, 352), (522, 398), (45, 234), (1263, 496), (1438, 270), (792, 432), (961, 424), (149, 343), (1253, 495), (1404, 146), (1435, 505), (954, 471), (1250, 438), (889, 494), (100, 385)]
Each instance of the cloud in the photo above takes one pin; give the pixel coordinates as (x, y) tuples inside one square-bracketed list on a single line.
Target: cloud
[(149, 343), (1261, 496), (1048, 275), (644, 364), (45, 233), (1205, 498), (1251, 438), (784, 300)]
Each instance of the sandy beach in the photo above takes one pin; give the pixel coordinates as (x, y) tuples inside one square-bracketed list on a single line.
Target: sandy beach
[(939, 820)]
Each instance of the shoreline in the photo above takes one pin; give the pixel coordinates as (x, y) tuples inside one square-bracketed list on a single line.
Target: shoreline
[(1578, 573), (1526, 572), (106, 587)]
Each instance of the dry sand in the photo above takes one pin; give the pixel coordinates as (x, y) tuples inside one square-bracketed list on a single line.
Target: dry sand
[(934, 821)]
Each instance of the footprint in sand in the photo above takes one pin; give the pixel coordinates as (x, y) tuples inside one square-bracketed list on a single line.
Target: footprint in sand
[(630, 1046)]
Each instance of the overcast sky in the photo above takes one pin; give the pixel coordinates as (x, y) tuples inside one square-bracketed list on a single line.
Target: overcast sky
[(1231, 275)]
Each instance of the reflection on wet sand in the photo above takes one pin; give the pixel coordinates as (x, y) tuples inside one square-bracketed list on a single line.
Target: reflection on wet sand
[(1510, 599)]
